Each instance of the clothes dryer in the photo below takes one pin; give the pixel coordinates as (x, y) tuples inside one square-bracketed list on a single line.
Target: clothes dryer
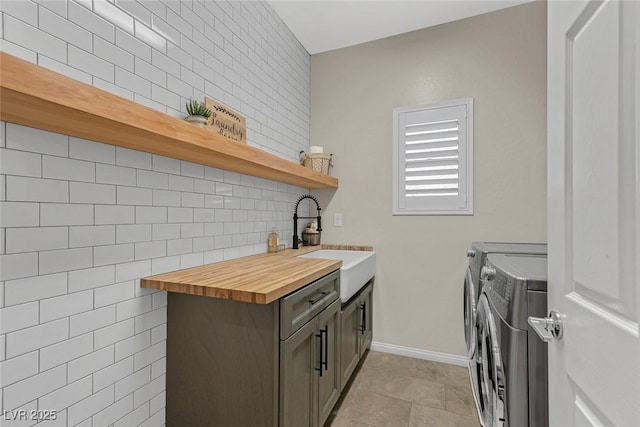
[(477, 255), (511, 360)]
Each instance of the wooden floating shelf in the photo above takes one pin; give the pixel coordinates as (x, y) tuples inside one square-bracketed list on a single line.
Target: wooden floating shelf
[(33, 96)]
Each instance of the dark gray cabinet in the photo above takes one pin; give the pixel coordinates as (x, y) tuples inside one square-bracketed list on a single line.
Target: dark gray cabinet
[(232, 363), (366, 316), (349, 338), (356, 331), (309, 373), (329, 378), (298, 378)]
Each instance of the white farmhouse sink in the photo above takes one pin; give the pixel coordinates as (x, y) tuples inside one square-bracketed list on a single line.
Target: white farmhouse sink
[(357, 268)]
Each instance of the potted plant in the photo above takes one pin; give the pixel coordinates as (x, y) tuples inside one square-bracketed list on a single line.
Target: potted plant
[(198, 113)]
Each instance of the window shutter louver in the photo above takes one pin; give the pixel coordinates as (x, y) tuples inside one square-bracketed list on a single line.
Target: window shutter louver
[(431, 156)]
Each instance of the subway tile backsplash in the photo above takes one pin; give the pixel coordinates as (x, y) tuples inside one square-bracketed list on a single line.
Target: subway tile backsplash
[(81, 221)]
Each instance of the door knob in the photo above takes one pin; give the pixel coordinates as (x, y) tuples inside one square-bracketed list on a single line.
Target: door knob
[(547, 328)]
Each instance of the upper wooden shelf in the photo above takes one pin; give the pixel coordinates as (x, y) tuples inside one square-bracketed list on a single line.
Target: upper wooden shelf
[(33, 96)]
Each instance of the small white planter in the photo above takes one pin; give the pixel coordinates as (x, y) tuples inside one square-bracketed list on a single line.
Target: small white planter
[(199, 121)]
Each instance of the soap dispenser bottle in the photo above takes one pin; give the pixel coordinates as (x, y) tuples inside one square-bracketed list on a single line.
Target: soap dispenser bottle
[(272, 242)]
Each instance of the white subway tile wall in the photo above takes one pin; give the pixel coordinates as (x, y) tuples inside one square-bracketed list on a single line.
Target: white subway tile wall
[(81, 222)]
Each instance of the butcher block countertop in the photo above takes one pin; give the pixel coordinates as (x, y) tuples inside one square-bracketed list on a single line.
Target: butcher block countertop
[(260, 279)]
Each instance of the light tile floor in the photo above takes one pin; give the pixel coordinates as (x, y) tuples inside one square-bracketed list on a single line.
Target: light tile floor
[(397, 391)]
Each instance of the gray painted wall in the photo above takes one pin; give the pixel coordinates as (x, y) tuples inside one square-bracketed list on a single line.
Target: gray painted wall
[(499, 59)]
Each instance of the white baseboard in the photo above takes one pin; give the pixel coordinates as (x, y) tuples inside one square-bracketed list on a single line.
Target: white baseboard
[(417, 353)]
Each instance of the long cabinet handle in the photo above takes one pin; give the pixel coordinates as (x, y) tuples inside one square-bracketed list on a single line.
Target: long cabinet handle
[(319, 368), (325, 331), (364, 315)]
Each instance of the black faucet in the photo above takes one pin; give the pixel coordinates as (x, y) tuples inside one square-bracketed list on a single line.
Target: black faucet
[(296, 218)]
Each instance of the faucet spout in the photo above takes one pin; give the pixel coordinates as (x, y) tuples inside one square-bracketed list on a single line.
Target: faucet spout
[(296, 217)]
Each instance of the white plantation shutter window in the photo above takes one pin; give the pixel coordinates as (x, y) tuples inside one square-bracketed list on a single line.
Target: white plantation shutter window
[(432, 159)]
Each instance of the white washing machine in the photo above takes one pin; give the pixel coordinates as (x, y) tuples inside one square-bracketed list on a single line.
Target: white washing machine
[(477, 255), (511, 360)]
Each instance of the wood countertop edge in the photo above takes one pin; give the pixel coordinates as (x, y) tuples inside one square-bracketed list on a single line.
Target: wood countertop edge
[(347, 247), (244, 295), (224, 276)]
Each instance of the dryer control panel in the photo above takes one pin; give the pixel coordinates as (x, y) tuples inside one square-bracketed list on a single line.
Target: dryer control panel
[(508, 290), (499, 292)]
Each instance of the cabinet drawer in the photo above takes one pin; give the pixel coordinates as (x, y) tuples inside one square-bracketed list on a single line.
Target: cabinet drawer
[(298, 308)]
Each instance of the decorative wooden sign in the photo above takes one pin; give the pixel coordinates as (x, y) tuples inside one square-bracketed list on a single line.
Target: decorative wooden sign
[(227, 122)]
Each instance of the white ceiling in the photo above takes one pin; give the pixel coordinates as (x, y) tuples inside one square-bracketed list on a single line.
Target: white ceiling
[(323, 25)]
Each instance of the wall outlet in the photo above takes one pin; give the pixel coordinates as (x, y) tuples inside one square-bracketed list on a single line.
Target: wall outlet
[(337, 220)]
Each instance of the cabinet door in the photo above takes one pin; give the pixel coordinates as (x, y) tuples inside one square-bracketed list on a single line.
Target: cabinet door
[(366, 318), (349, 339), (299, 359), (329, 378)]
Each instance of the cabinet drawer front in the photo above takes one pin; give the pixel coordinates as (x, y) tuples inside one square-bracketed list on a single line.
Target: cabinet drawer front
[(301, 306)]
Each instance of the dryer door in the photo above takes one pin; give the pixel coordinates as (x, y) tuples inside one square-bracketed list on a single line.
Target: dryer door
[(469, 301), (490, 368), (470, 335)]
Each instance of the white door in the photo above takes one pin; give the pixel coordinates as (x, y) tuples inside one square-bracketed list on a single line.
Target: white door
[(594, 209)]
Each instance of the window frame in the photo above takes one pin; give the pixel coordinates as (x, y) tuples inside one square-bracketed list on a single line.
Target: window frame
[(399, 147)]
